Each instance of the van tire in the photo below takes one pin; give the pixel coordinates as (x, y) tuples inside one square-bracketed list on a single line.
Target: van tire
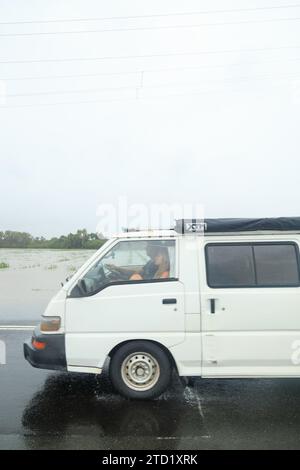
[(140, 370)]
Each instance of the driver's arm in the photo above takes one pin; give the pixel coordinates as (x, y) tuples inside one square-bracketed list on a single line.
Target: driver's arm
[(122, 270)]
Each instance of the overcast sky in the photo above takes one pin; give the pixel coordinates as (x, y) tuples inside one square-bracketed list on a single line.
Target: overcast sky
[(209, 116)]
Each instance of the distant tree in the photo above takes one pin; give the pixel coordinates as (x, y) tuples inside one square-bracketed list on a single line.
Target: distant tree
[(79, 240), (14, 239)]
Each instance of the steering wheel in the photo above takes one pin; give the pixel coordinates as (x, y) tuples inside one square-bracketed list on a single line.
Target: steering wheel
[(115, 275)]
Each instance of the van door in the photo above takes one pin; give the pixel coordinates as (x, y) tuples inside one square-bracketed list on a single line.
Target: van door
[(132, 292), (250, 298)]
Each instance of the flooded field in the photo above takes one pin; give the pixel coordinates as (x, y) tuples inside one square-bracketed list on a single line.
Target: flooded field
[(29, 278)]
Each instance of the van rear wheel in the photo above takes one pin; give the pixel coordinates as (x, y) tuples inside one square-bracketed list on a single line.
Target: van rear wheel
[(140, 370)]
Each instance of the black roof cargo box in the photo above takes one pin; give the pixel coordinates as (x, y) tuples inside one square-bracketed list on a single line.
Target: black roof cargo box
[(237, 225)]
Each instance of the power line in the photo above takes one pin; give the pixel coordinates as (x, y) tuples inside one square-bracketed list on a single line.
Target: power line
[(149, 28), (31, 105), (111, 100), (146, 56), (138, 72), (162, 85), (62, 92), (80, 75), (159, 15)]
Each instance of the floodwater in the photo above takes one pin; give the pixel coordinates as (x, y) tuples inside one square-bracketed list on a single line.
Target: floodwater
[(32, 278)]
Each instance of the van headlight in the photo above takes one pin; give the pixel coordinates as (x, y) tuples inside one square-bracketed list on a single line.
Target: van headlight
[(50, 323)]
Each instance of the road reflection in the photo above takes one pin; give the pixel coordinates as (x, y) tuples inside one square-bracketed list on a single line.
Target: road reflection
[(80, 403)]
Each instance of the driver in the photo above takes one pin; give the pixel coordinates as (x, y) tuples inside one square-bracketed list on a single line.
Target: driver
[(162, 265)]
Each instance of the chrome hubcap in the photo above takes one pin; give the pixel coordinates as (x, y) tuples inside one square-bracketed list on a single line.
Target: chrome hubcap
[(140, 371)]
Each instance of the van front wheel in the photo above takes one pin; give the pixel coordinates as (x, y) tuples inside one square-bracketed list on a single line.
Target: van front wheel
[(140, 370)]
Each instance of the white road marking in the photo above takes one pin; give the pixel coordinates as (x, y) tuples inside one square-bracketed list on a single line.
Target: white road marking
[(205, 436), (17, 327)]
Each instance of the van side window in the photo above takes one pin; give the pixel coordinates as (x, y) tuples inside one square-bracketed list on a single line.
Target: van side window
[(230, 265), (276, 265), (252, 265), (129, 261)]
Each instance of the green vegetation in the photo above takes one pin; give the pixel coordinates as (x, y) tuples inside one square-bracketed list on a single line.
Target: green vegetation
[(30, 266), (4, 265), (79, 240), (72, 269), (51, 266)]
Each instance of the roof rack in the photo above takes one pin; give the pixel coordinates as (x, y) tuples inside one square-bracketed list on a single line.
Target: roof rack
[(237, 225)]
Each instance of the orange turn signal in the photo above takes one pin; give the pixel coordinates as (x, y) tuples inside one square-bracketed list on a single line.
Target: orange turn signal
[(38, 344)]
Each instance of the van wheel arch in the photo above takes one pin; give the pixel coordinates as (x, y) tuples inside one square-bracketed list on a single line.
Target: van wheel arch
[(164, 349)]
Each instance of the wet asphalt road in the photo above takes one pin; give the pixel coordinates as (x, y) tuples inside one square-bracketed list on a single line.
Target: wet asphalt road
[(48, 410)]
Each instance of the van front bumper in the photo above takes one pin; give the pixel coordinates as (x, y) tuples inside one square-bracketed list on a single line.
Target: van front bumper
[(52, 357)]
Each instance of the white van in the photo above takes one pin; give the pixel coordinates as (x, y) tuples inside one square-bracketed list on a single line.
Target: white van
[(214, 299)]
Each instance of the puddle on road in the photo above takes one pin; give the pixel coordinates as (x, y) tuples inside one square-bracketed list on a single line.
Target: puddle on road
[(32, 278), (89, 407)]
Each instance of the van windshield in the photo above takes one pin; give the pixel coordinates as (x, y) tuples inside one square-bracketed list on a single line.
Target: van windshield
[(129, 261)]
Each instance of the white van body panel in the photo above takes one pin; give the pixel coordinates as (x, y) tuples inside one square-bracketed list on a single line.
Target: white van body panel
[(188, 355), (254, 331), (121, 313)]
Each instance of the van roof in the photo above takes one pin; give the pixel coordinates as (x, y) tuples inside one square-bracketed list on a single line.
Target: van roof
[(221, 226)]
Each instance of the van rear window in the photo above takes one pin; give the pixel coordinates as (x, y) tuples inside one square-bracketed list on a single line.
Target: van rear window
[(276, 264), (252, 265)]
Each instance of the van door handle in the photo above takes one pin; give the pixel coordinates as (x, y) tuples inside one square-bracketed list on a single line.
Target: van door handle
[(212, 306), (169, 301)]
